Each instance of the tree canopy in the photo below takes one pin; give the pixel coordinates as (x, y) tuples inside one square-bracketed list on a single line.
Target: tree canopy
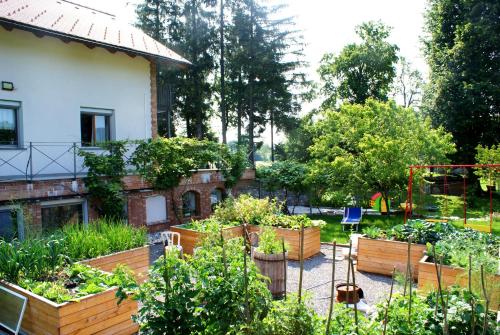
[(370, 146), (462, 47), (360, 71)]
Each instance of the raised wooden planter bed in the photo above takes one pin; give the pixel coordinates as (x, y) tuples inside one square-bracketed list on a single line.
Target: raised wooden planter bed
[(427, 279), (381, 256), (312, 241), (136, 259), (94, 314), (190, 238)]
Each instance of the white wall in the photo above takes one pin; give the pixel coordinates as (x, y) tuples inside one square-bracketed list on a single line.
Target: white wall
[(53, 80)]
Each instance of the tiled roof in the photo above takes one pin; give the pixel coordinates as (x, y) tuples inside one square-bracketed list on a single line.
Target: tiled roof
[(73, 21)]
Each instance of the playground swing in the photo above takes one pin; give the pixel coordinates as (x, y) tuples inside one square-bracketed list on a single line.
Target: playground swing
[(421, 207)]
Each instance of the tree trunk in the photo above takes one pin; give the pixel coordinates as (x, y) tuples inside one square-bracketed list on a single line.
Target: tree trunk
[(251, 79), (239, 111), (222, 79), (272, 136)]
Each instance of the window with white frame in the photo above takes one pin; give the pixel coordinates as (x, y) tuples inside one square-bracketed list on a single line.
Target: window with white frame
[(9, 123), (156, 210), (56, 214), (96, 126)]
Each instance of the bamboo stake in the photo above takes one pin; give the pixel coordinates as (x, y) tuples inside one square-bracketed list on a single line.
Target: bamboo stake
[(224, 259), (245, 283), (410, 299), (471, 302), (348, 271), (386, 316), (487, 301), (445, 315), (284, 264), (332, 291), (408, 267), (438, 274), (301, 261), (354, 292)]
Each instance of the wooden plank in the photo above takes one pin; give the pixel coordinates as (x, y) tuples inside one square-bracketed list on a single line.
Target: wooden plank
[(88, 302), (96, 316), (123, 328), (125, 317)]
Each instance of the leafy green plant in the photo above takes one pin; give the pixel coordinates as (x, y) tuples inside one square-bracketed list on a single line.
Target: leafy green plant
[(269, 242), (290, 221), (373, 232), (208, 225), (101, 237), (246, 209), (459, 313), (104, 178), (343, 322), (398, 323)]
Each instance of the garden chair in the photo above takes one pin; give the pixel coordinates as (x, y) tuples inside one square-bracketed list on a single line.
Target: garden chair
[(352, 217), (172, 240)]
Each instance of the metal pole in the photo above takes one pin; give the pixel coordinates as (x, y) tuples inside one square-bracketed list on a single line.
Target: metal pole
[(31, 162), (74, 160)]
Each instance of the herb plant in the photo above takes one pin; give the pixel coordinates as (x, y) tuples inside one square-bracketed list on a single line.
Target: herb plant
[(269, 242)]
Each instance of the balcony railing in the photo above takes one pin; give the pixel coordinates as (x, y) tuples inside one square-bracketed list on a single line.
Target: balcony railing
[(47, 160)]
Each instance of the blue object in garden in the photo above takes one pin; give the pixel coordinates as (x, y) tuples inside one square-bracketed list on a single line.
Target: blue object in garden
[(352, 216)]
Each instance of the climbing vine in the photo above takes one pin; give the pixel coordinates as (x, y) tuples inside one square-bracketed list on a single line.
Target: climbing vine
[(104, 178)]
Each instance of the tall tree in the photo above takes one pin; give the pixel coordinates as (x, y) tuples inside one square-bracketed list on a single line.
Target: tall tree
[(369, 147), (462, 47), (189, 28), (408, 85), (360, 71), (263, 66)]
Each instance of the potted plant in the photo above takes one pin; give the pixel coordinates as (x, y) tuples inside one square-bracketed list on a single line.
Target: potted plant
[(271, 257)]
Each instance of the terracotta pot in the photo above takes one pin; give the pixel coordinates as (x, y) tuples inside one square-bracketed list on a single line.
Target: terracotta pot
[(354, 294)]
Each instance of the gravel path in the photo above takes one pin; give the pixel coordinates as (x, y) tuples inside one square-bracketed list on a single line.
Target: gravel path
[(317, 278)]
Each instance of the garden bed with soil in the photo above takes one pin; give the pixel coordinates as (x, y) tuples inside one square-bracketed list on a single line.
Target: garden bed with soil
[(190, 238), (94, 314), (137, 260), (312, 240), (381, 256), (450, 276)]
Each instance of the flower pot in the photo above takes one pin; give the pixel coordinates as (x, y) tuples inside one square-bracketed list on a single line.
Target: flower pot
[(274, 267), (354, 294)]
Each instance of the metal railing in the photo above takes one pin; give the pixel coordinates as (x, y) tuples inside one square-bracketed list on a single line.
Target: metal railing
[(47, 160)]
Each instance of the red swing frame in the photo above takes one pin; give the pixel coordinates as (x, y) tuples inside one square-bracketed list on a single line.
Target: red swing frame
[(409, 198)]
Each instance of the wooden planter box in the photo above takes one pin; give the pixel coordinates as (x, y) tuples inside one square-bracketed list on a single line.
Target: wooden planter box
[(93, 314), (136, 259), (312, 241), (272, 266), (381, 256), (427, 279), (190, 238)]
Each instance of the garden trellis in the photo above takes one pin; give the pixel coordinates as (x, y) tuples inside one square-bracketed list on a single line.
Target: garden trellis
[(489, 179)]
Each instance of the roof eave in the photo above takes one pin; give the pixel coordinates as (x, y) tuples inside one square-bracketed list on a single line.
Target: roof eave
[(10, 24)]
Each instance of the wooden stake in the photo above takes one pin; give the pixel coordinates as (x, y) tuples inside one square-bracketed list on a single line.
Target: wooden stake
[(408, 267), (301, 260), (487, 301), (332, 290), (386, 316), (471, 302), (224, 259), (245, 283), (348, 271), (284, 264), (354, 292)]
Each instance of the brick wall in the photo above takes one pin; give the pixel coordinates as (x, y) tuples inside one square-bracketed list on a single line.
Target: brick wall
[(136, 190)]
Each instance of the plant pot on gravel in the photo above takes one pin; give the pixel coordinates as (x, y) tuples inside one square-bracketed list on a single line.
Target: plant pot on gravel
[(272, 260), (354, 296)]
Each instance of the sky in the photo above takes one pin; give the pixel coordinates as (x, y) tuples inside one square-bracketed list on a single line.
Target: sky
[(327, 25)]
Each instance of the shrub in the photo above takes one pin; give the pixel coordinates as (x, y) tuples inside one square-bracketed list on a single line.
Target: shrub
[(373, 232), (208, 225), (246, 209), (290, 221)]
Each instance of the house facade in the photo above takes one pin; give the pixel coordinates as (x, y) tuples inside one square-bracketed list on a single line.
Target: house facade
[(73, 77)]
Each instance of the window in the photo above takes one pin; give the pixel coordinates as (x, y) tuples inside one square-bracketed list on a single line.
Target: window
[(57, 214), (156, 210), (8, 224), (95, 126), (215, 197), (190, 204), (9, 123)]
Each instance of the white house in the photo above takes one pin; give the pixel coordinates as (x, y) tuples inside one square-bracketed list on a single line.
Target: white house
[(71, 76)]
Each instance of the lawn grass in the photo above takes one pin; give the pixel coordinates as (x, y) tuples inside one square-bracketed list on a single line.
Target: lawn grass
[(333, 229)]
